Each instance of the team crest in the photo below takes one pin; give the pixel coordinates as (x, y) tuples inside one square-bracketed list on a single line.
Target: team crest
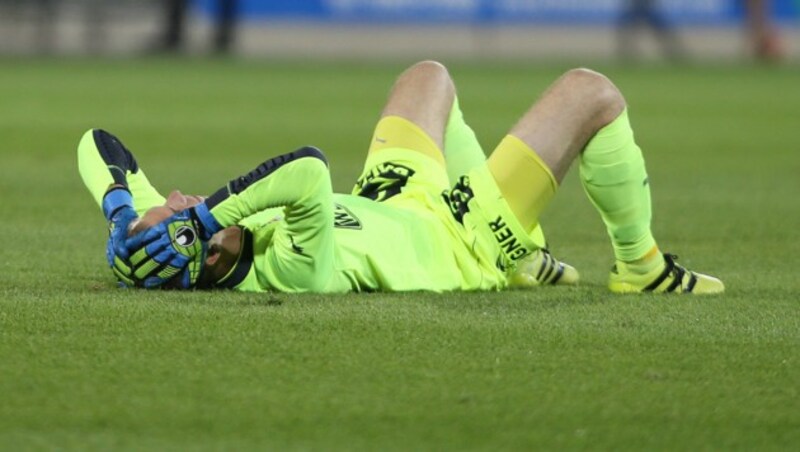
[(458, 198), (383, 181)]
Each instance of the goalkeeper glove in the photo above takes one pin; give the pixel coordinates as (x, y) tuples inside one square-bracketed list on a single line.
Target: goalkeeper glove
[(118, 210), (178, 244)]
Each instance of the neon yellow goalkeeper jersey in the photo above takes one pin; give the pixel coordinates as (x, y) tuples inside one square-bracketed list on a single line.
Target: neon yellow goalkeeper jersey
[(401, 231), (369, 246)]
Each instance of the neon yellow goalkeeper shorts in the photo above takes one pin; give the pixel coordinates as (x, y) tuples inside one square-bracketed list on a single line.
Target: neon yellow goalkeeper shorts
[(405, 169)]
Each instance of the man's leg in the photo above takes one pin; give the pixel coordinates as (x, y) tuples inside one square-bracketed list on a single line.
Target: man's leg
[(174, 25), (423, 95), (462, 150), (765, 41), (463, 153), (225, 28), (583, 114), (406, 148)]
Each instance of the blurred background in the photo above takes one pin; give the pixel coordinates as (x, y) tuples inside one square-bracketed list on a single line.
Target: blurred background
[(644, 30)]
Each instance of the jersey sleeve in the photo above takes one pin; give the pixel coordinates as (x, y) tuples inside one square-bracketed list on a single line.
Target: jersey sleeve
[(300, 256), (103, 161)]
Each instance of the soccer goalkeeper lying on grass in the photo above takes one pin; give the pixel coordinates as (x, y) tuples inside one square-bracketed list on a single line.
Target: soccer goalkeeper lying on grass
[(429, 212)]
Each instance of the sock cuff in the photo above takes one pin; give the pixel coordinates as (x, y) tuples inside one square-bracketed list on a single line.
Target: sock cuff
[(518, 152), (523, 178)]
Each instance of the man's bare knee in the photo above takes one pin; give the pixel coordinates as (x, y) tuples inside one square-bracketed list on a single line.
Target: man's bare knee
[(423, 94), (430, 71), (567, 116), (428, 65), (598, 94)]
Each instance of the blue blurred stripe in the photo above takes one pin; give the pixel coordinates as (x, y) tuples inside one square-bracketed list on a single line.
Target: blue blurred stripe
[(556, 12)]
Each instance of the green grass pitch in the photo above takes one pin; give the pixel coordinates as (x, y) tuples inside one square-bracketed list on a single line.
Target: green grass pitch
[(86, 366)]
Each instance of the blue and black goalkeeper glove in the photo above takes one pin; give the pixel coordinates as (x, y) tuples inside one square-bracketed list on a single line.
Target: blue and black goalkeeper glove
[(118, 210), (178, 245)]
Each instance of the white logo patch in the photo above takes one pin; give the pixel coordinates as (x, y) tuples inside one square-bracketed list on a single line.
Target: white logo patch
[(185, 236)]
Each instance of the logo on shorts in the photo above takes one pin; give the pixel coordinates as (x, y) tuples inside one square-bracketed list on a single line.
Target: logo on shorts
[(185, 236), (458, 198), (383, 181)]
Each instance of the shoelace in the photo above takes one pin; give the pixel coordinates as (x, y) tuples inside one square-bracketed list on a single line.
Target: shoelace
[(677, 272)]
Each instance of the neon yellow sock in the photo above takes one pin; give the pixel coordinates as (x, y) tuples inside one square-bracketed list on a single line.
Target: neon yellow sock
[(462, 151), (647, 263), (614, 177), (525, 181)]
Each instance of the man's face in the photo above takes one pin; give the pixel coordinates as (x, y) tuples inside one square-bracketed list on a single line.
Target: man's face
[(223, 247), (176, 202)]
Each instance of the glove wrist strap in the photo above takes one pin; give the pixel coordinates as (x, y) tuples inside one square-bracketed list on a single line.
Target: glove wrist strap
[(208, 224), (114, 200)]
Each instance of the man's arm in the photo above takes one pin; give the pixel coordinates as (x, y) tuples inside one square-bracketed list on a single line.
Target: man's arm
[(104, 161), (300, 256), (114, 180)]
